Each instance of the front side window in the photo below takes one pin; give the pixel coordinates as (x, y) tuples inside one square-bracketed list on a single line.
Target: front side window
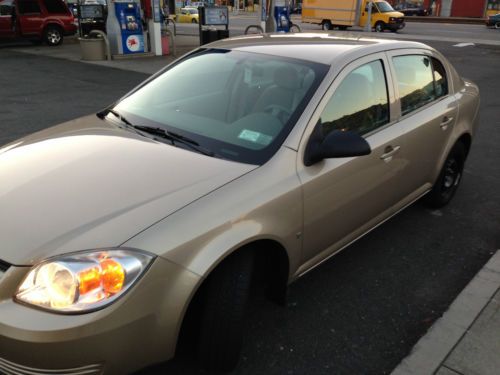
[(6, 8), (415, 81), (360, 103), (237, 104), (28, 6)]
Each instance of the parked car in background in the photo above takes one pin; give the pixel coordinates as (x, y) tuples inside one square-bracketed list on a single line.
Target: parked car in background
[(409, 10), (37, 20), (128, 231), (188, 15), (493, 21)]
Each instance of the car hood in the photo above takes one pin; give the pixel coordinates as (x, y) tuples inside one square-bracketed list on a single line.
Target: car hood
[(89, 184)]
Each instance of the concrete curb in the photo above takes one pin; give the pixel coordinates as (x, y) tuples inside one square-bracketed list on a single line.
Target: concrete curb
[(432, 350)]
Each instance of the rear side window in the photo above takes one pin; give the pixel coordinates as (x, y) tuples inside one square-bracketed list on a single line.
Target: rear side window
[(415, 81), (28, 6), (54, 6), (360, 103), (440, 78)]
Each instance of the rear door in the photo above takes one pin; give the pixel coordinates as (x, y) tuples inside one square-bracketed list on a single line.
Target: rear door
[(428, 112), (7, 19), (30, 17)]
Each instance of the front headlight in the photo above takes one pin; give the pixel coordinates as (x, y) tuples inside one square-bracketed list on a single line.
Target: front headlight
[(82, 282)]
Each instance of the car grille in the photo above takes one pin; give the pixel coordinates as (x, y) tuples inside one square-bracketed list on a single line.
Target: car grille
[(3, 268), (10, 368), (400, 20)]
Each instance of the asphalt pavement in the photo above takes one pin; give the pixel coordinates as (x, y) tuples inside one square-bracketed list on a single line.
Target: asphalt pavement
[(362, 311)]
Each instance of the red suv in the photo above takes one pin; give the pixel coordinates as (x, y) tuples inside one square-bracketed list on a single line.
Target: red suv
[(45, 20)]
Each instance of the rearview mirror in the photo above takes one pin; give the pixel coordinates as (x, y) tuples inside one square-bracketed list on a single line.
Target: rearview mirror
[(337, 144)]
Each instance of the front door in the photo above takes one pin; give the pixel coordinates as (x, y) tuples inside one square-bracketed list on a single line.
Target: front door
[(343, 197)]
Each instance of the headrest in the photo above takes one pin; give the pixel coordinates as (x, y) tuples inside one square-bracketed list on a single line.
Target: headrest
[(287, 78)]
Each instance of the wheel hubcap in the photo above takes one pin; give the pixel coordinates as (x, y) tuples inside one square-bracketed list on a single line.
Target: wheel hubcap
[(452, 175), (53, 36)]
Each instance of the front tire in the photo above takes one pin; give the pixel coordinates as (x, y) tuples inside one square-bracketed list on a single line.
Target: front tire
[(449, 178), (53, 35), (194, 20), (223, 313), (379, 27), (497, 25)]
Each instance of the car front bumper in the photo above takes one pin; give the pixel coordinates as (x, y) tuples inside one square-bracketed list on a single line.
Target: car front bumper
[(394, 26), (138, 330)]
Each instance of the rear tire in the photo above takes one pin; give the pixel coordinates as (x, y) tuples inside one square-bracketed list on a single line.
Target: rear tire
[(53, 35), (326, 25), (223, 313), (497, 25), (194, 20), (449, 178)]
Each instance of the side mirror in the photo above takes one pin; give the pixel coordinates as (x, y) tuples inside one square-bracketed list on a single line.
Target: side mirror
[(337, 144)]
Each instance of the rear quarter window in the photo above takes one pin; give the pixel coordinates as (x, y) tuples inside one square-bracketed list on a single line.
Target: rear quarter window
[(55, 6), (28, 6)]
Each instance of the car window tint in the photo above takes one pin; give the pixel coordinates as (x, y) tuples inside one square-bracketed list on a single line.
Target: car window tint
[(54, 6), (440, 78), (28, 6), (6, 8), (415, 81), (360, 103)]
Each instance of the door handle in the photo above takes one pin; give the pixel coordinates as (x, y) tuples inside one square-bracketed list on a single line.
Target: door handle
[(389, 152), (446, 121)]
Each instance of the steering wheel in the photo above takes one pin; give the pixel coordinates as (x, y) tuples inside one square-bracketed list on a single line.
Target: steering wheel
[(278, 111)]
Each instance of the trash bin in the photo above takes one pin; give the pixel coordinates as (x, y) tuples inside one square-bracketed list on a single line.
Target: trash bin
[(212, 34), (93, 47)]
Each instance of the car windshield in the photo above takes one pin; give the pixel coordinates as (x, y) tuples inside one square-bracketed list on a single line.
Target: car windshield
[(384, 7), (236, 104)]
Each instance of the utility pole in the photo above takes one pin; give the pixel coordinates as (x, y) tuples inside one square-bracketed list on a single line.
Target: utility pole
[(368, 24), (270, 22)]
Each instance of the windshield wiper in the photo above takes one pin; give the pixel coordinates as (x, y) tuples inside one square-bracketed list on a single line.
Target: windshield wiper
[(166, 134), (174, 137), (104, 112)]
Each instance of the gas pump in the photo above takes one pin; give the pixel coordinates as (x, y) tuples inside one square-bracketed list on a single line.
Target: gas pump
[(282, 15), (124, 27)]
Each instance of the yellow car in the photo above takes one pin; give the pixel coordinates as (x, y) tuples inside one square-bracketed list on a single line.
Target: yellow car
[(188, 15)]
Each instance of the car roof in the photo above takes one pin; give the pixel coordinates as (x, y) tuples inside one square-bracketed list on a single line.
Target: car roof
[(322, 47)]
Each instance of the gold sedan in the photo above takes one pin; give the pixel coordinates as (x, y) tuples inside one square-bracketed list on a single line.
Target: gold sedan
[(126, 232)]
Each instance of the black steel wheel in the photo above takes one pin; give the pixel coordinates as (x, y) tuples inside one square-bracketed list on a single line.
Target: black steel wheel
[(447, 183)]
